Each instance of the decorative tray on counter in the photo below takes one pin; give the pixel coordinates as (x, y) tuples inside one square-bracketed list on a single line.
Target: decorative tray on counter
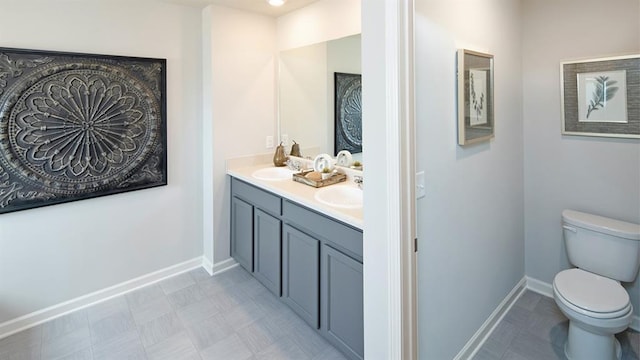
[(301, 177)]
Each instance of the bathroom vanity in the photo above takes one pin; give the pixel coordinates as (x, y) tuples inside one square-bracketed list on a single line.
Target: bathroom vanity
[(306, 253)]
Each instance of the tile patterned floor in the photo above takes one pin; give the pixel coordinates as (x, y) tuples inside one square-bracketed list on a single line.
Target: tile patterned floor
[(230, 316), (535, 329)]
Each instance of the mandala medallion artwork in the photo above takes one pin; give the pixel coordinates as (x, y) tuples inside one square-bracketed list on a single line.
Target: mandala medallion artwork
[(76, 126), (348, 115)]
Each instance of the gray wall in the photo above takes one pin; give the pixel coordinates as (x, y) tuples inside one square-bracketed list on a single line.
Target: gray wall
[(596, 175), (471, 222)]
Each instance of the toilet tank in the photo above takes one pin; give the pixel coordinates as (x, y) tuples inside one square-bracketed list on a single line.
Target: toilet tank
[(603, 246)]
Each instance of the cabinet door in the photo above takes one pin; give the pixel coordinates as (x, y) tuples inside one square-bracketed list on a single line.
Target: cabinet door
[(266, 260), (301, 274), (342, 309), (242, 233)]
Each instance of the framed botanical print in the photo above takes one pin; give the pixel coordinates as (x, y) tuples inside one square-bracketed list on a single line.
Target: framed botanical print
[(475, 97), (601, 97)]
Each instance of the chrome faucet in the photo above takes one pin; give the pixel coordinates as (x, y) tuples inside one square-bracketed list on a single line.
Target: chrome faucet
[(359, 180)]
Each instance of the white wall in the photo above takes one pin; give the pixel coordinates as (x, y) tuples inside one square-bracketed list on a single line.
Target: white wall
[(242, 104), (321, 21), (53, 254), (471, 223), (596, 175), (241, 109), (376, 243), (318, 23)]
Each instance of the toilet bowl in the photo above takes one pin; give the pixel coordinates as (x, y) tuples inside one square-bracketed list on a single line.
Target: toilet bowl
[(597, 309), (605, 252)]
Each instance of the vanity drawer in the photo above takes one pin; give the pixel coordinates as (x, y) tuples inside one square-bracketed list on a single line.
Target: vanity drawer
[(338, 234), (257, 197)]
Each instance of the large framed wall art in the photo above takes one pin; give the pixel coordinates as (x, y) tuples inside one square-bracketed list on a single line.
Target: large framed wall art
[(601, 97), (77, 126), (475, 97), (348, 112)]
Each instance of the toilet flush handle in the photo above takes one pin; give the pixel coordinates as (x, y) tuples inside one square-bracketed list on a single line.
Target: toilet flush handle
[(572, 229)]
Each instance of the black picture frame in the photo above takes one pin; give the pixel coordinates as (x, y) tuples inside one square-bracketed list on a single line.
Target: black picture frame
[(75, 126), (348, 112)]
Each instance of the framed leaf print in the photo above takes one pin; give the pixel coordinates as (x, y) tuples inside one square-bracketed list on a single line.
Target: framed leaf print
[(601, 97), (475, 97)]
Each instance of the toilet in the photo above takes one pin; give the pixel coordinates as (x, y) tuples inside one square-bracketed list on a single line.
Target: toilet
[(604, 252)]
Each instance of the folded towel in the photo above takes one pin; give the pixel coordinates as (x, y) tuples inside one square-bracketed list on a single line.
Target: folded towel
[(314, 175)]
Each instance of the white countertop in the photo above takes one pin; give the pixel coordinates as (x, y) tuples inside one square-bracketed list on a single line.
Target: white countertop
[(300, 193)]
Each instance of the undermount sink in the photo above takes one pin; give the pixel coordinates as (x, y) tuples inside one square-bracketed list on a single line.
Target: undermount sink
[(341, 196), (273, 174)]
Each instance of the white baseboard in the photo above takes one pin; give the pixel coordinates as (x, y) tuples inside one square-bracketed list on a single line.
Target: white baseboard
[(207, 265), (539, 287), (217, 268), (38, 317), (546, 289), (475, 343)]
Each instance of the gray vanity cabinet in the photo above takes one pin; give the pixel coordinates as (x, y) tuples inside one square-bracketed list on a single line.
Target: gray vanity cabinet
[(342, 308), (312, 261), (256, 232), (266, 250), (301, 274), (242, 233), (340, 267)]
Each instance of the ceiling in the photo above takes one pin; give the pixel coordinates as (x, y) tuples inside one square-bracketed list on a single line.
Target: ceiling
[(258, 6)]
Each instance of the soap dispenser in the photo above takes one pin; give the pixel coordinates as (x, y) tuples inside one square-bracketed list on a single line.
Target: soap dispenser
[(295, 149), (280, 158)]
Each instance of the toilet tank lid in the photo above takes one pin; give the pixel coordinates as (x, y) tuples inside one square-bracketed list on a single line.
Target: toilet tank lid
[(602, 224)]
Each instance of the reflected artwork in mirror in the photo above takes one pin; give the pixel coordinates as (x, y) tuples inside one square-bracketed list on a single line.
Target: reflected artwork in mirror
[(348, 112)]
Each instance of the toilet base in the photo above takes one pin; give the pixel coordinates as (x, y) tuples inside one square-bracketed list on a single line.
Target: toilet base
[(585, 345)]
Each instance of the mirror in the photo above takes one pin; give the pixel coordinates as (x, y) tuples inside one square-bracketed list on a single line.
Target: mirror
[(307, 95)]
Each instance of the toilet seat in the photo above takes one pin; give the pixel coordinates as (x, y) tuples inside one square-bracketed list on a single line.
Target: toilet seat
[(592, 295)]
